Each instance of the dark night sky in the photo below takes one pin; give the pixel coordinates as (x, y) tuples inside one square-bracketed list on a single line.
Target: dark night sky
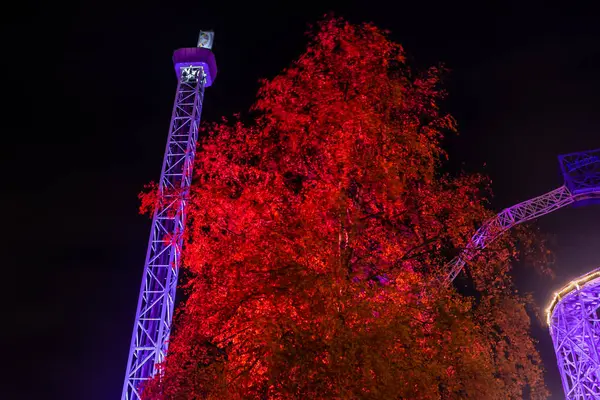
[(88, 90)]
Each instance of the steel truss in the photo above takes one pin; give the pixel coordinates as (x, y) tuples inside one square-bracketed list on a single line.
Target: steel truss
[(574, 316), (154, 314), (575, 329), (582, 183)]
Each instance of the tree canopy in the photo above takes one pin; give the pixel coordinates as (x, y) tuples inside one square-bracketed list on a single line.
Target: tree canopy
[(318, 228)]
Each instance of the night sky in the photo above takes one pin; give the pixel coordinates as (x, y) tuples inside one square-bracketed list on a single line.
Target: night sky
[(87, 94)]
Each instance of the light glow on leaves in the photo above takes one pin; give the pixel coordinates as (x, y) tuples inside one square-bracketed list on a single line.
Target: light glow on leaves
[(315, 233)]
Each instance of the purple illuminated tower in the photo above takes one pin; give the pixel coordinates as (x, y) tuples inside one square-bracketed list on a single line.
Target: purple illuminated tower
[(574, 320), (195, 69)]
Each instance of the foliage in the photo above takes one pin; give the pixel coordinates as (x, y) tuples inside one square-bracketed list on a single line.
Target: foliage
[(316, 236)]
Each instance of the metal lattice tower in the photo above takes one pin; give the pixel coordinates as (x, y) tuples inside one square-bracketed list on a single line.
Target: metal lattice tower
[(574, 320), (195, 69)]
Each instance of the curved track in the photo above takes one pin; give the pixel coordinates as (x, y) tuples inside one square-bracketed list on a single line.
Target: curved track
[(582, 185)]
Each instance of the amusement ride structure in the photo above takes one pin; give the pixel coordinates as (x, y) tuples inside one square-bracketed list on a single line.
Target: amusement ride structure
[(196, 69), (574, 316), (581, 172), (574, 321)]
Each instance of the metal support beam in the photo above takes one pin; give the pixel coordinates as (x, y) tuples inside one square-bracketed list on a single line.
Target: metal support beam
[(582, 183), (574, 321), (149, 342), (574, 316)]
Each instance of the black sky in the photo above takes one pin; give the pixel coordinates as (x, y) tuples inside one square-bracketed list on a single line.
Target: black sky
[(87, 94)]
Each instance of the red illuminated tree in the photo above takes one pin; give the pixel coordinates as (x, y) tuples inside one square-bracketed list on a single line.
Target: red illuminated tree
[(316, 235)]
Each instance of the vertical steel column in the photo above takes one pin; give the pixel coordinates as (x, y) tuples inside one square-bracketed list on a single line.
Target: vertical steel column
[(154, 313)]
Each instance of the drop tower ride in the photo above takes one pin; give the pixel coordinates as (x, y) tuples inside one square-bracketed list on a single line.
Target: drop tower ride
[(196, 69)]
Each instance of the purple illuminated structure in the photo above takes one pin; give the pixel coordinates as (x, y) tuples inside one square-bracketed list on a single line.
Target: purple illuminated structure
[(195, 69), (582, 186), (574, 320), (574, 314)]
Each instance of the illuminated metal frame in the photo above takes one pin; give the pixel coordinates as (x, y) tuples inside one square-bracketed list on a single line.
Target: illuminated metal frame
[(195, 69), (159, 283), (574, 320), (582, 184), (574, 313)]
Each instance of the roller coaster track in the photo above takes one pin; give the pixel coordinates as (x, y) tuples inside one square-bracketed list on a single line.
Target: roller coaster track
[(582, 184)]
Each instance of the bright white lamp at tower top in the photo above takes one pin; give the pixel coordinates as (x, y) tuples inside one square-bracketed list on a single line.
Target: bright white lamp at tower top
[(205, 39)]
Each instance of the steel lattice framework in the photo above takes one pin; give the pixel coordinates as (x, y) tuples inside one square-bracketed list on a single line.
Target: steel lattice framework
[(582, 184), (574, 315), (574, 320), (195, 69)]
